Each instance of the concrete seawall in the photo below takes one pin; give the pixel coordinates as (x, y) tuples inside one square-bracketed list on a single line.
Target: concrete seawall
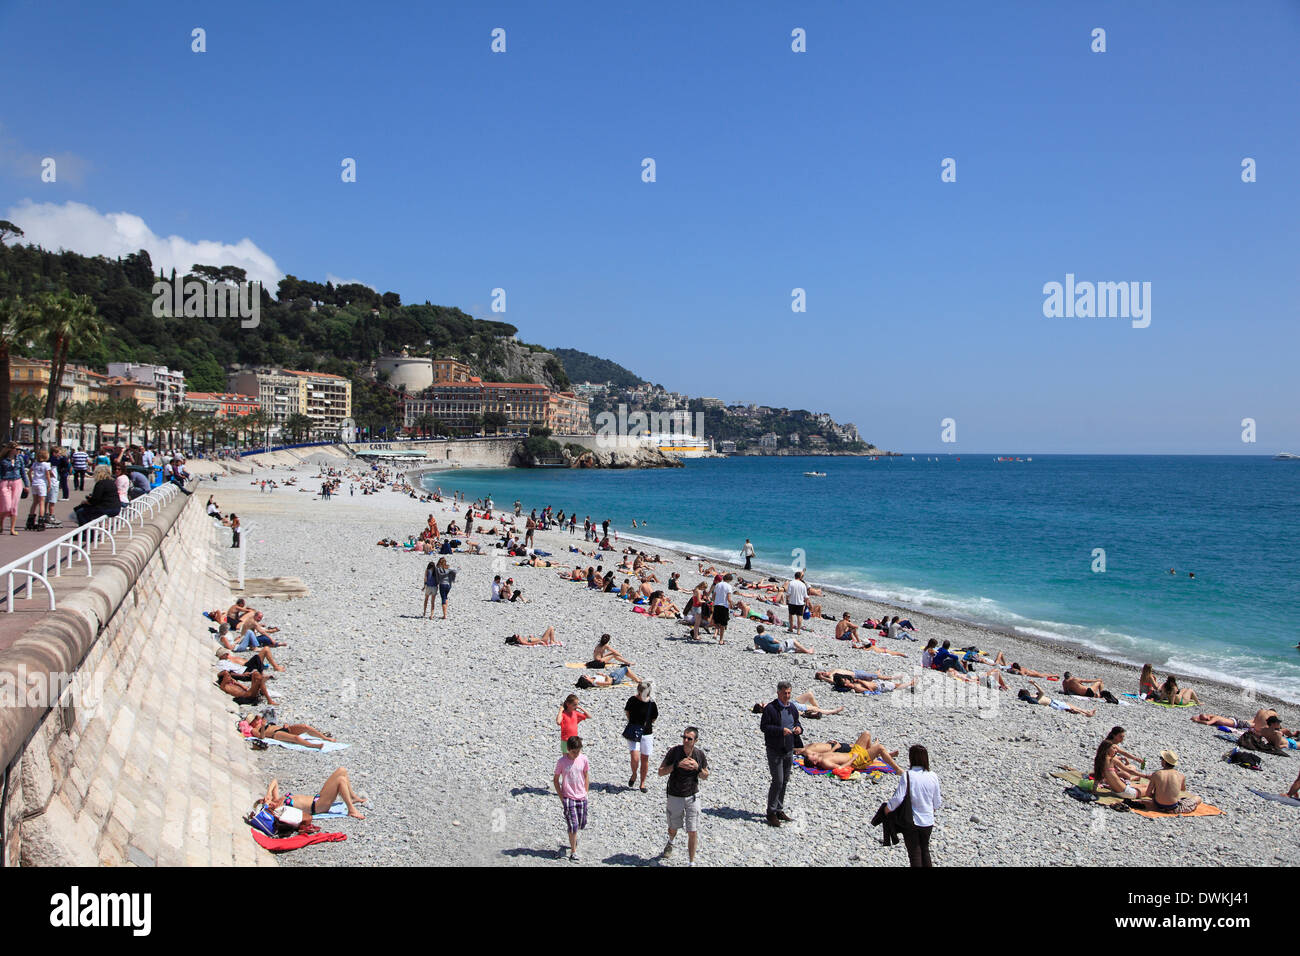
[(138, 760)]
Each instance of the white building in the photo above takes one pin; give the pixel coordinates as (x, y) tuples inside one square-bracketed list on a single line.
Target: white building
[(169, 386)]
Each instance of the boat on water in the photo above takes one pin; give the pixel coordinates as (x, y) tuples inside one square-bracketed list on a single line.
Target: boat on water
[(681, 445), (814, 474), (1286, 456)]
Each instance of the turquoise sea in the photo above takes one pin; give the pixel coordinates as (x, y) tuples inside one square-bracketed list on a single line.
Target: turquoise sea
[(1004, 543)]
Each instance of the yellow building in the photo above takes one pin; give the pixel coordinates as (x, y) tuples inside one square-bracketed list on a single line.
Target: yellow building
[(447, 371), (568, 415), (325, 399)]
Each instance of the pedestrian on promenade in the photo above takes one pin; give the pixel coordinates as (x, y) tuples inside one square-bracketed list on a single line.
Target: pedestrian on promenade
[(748, 552), (920, 788), (685, 766), (80, 466), (781, 730), (572, 777), (12, 479), (641, 712)]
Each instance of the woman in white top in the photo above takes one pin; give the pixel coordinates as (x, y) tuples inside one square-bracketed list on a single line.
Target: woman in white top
[(41, 474), (922, 787)]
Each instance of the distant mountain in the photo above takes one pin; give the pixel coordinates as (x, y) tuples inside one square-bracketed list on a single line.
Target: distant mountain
[(583, 367)]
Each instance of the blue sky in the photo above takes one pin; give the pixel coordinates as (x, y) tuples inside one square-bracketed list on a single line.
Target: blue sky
[(775, 170)]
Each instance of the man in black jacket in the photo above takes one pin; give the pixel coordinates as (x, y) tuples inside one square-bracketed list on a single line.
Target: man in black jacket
[(781, 730)]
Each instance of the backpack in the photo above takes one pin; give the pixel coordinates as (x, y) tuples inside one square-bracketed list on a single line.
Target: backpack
[(1244, 758)]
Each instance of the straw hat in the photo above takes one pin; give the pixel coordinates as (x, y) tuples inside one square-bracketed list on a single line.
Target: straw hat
[(1170, 757)]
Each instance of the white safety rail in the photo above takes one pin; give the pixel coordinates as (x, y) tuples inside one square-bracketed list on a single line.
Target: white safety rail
[(48, 560)]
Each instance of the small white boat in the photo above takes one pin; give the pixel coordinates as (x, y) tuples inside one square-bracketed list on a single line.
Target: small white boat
[(1286, 456), (814, 474)]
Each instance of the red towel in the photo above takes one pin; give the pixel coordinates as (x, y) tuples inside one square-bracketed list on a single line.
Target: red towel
[(278, 845)]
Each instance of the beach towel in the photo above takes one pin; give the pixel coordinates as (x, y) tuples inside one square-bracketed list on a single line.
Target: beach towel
[(1086, 785), (340, 809), (1202, 810), (1162, 703), (283, 844), (1275, 797), (330, 745)]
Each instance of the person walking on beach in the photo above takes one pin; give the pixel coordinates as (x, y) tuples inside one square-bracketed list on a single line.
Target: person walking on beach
[(781, 730), (234, 529), (748, 552), (571, 714), (529, 527), (721, 605), (920, 788), (641, 712), (796, 595), (572, 777), (685, 766)]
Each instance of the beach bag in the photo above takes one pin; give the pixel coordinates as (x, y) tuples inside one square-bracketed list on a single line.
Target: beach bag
[(901, 817), (633, 732), (1245, 759), (263, 821)]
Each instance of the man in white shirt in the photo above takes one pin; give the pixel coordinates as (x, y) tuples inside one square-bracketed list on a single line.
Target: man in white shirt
[(496, 588), (922, 788), (796, 596), (721, 605), (146, 458), (748, 553)]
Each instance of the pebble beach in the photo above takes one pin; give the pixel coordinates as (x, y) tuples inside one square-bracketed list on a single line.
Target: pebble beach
[(452, 733)]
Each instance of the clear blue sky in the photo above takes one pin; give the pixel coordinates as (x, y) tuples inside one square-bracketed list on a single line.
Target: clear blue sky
[(775, 170)]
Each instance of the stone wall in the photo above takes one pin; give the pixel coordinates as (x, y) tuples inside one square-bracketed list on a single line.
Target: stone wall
[(139, 762)]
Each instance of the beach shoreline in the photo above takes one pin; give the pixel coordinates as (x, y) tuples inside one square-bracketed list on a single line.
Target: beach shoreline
[(452, 733)]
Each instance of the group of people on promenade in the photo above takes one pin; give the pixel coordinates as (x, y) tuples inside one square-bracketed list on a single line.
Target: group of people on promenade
[(43, 473)]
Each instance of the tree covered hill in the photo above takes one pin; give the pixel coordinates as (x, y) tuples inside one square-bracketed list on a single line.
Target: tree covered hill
[(306, 325), (583, 367)]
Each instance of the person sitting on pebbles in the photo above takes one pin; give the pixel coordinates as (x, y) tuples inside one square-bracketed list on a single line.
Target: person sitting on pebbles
[(1166, 787)]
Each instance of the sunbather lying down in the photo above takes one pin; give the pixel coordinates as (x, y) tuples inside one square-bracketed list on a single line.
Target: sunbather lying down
[(1036, 696), (337, 786), (547, 639), (287, 733), (860, 755), (864, 682), (807, 706)]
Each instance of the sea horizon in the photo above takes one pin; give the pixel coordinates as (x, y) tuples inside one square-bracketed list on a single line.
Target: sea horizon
[(1044, 579)]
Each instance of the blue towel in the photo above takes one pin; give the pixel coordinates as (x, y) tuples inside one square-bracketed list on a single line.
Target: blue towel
[(1275, 797)]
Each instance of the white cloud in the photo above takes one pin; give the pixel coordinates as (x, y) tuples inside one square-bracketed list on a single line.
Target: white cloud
[(77, 227), (331, 277)]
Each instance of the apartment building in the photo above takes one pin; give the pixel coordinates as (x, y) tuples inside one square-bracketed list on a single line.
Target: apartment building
[(277, 392), (168, 384), (222, 404), (325, 399)]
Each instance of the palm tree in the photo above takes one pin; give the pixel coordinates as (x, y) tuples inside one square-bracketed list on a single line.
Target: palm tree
[(113, 416), (99, 417), (148, 417), (130, 411), (183, 419), (67, 323), (163, 423), (24, 406), (16, 317), (60, 416), (80, 414)]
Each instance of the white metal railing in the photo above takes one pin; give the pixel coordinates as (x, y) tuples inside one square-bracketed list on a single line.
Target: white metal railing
[(65, 549)]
